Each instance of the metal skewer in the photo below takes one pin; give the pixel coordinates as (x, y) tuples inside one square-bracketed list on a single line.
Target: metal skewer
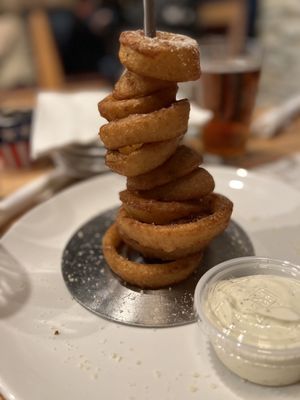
[(149, 18)]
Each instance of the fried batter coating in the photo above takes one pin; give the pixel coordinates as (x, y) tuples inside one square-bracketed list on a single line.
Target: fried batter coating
[(160, 212), (168, 56), (176, 240), (166, 123), (111, 108), (131, 85), (142, 160), (195, 185), (153, 276), (181, 163), (169, 209)]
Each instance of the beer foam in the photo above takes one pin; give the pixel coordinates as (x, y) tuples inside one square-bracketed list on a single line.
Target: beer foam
[(230, 65)]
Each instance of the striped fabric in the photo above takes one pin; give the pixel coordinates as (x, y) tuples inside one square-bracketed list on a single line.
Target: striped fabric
[(14, 140)]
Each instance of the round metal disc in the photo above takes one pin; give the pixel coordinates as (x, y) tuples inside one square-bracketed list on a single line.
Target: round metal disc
[(92, 283)]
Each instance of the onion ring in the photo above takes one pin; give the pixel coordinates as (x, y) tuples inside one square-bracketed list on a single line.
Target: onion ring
[(152, 276), (169, 211), (177, 240), (142, 160), (181, 163), (158, 254), (130, 149), (131, 85), (158, 212), (167, 56), (164, 124), (111, 108), (192, 186)]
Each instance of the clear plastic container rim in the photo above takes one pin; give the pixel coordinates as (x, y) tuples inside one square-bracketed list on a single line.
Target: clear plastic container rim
[(213, 330)]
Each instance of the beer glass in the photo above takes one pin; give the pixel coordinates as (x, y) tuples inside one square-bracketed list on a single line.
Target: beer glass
[(229, 86)]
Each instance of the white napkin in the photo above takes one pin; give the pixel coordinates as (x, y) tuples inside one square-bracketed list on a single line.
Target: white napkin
[(64, 118)]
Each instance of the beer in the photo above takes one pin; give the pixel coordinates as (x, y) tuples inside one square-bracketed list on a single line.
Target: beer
[(229, 88)]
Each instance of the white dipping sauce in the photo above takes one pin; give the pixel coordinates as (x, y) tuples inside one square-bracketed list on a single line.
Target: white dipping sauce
[(262, 311)]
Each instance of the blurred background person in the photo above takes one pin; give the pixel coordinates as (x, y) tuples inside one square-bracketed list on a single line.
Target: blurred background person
[(16, 68), (86, 32)]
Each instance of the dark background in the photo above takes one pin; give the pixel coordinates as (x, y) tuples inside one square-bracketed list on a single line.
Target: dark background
[(87, 37)]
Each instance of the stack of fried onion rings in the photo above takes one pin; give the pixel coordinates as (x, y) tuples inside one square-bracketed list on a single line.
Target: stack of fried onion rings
[(169, 213), (154, 275)]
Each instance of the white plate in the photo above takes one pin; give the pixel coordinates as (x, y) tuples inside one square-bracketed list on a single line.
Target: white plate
[(96, 359)]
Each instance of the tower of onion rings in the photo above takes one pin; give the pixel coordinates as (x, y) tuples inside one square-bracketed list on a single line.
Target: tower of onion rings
[(169, 212)]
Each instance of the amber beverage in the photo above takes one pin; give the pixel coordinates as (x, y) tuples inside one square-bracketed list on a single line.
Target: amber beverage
[(229, 88)]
